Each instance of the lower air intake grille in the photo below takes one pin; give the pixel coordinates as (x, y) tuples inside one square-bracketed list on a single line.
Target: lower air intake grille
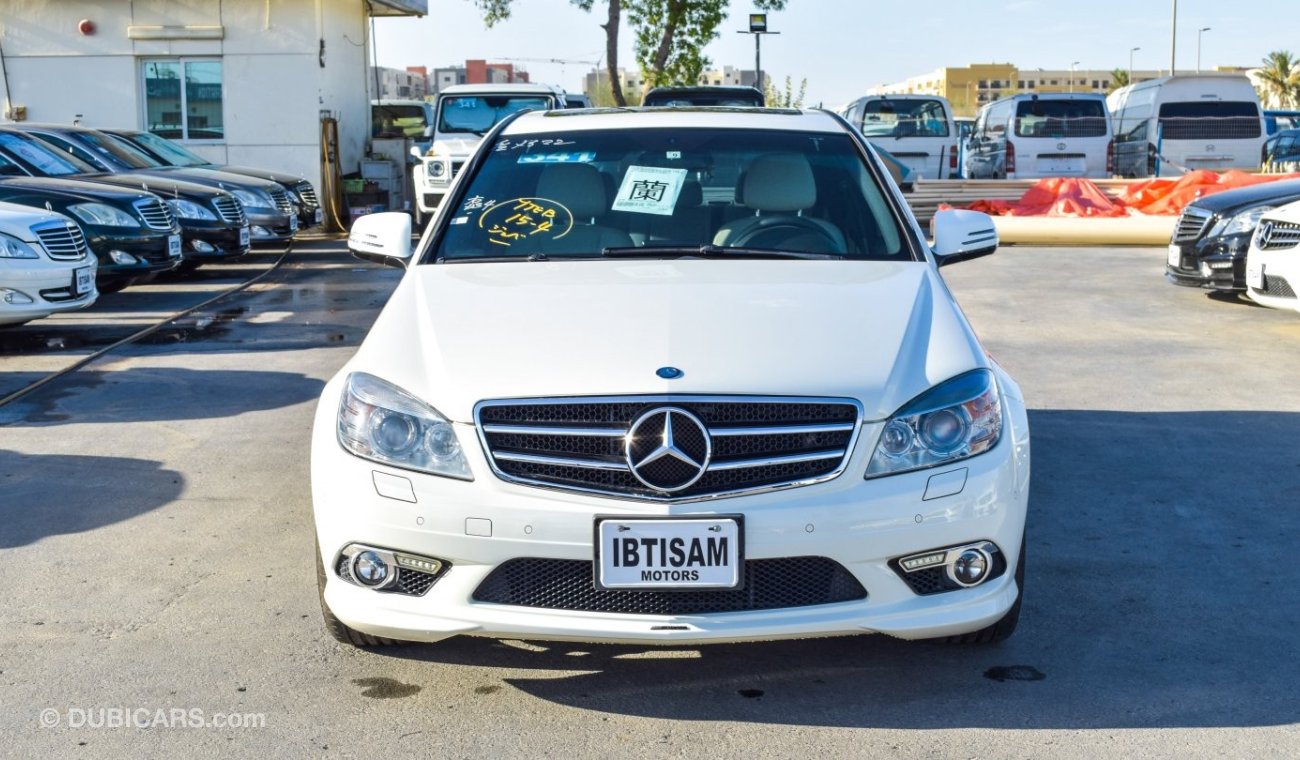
[(1276, 286), (770, 584)]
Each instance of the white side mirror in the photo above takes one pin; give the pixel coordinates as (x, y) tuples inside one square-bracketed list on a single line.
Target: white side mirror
[(384, 238), (960, 235)]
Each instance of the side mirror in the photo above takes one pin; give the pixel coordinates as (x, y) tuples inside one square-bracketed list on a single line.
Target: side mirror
[(962, 235), (384, 238)]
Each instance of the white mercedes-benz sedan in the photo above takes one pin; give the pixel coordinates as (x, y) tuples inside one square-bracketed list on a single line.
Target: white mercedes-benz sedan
[(1273, 261), (671, 376), (45, 266)]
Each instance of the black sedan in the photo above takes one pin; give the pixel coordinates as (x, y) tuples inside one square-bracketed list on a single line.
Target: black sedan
[(213, 224), (171, 153), (132, 233), (1208, 249), (271, 213)]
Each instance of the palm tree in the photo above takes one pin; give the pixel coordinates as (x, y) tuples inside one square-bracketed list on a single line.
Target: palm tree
[(1118, 79), (1280, 78)]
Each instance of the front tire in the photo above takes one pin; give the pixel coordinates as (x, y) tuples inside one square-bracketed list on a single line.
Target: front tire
[(1003, 628), (337, 628)]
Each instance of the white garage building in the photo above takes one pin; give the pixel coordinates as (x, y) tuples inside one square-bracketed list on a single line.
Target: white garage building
[(239, 81)]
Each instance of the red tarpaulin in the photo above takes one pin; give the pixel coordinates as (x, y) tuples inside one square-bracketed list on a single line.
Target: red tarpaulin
[(1063, 196)]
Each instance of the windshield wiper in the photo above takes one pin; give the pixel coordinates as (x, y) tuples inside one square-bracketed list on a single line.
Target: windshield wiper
[(709, 252)]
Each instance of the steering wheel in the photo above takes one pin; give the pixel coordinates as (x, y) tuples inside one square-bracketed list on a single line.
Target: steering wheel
[(777, 232)]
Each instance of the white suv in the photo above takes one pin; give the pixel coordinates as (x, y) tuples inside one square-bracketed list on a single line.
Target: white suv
[(45, 266), (1273, 261), (671, 376)]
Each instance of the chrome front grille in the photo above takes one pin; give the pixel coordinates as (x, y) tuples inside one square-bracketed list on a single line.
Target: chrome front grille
[(281, 200), (1280, 235), (230, 209), (156, 214), (62, 240), (308, 194), (752, 443), (1191, 224)]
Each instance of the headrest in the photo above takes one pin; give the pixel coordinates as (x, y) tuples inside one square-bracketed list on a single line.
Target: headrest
[(779, 182), (692, 194), (577, 186)]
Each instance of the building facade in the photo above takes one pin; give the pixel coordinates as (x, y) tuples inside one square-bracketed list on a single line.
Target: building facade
[(239, 81), (411, 83)]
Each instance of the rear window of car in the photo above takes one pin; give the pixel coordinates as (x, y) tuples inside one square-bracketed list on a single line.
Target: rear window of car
[(1060, 118), (904, 117), (576, 194), (1210, 120)]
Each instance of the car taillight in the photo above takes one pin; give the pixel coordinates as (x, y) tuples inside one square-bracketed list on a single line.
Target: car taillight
[(1151, 159), (1110, 157), (1011, 158), (952, 160)]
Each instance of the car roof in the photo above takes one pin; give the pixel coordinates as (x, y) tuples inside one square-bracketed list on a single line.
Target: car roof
[(721, 117)]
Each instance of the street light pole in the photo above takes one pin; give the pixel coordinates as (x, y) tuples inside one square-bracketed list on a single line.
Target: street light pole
[(1130, 63), (757, 27), (1199, 32), (1173, 39), (1072, 65)]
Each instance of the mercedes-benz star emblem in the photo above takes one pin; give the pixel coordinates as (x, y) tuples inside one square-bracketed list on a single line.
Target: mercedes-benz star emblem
[(669, 373), (1265, 232), (668, 449)]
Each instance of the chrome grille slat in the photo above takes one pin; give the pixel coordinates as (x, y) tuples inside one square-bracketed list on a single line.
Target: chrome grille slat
[(156, 214), (230, 209), (307, 193), (281, 200), (581, 444), (1191, 224), (62, 241), (1285, 235)]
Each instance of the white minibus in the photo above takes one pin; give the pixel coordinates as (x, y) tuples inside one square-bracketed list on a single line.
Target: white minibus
[(918, 130), (1035, 136)]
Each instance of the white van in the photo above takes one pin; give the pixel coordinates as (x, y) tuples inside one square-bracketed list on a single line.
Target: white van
[(1035, 136), (1176, 124), (918, 130), (463, 114)]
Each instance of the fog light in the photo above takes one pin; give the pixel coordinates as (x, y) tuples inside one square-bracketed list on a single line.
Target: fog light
[(202, 246), (123, 258), (1205, 268), (14, 297), (1221, 265), (419, 564), (370, 569), (260, 231), (970, 567)]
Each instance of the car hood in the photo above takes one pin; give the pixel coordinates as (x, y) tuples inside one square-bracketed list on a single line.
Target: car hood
[(457, 334), (456, 147), (1273, 193), (78, 189), (1288, 213), (210, 177), (280, 178), (166, 187)]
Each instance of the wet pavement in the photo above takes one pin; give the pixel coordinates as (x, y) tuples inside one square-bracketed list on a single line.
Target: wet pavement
[(156, 550)]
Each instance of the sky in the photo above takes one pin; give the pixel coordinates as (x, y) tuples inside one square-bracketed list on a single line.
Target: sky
[(843, 47)]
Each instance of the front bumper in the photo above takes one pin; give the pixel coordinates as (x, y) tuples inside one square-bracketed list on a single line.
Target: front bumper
[(48, 286), (152, 249), (1217, 263), (1281, 279), (204, 241), (269, 226), (860, 524)]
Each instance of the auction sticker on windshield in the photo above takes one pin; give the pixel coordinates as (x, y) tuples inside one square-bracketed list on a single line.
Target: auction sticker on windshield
[(650, 190), (658, 553)]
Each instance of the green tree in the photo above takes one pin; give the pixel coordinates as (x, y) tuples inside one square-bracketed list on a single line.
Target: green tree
[(1118, 79), (787, 97), (1280, 77)]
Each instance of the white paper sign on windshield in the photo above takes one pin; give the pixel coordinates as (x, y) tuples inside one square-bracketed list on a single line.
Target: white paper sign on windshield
[(650, 190)]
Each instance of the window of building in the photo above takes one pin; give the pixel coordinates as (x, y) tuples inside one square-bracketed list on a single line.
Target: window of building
[(1055, 81), (984, 83), (1031, 84), (183, 98)]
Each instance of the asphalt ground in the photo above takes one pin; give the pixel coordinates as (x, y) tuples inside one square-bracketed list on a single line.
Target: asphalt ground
[(156, 561)]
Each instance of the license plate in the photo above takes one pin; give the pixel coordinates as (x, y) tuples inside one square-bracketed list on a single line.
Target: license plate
[(82, 280), (320, 214), (668, 553), (243, 237), (1255, 274), (173, 245), (1175, 256), (293, 222)]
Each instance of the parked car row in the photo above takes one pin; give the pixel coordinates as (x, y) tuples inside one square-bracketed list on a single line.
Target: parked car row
[(140, 205)]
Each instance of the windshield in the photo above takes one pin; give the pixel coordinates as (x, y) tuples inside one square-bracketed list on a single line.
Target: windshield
[(673, 192), (1041, 117), (476, 114), (904, 117), (1210, 120), (397, 121), (41, 159), (167, 151)]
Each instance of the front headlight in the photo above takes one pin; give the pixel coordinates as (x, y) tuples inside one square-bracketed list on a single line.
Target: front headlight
[(954, 420), (190, 210), (254, 198), (1242, 222), (102, 214), (381, 422), (13, 248)]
